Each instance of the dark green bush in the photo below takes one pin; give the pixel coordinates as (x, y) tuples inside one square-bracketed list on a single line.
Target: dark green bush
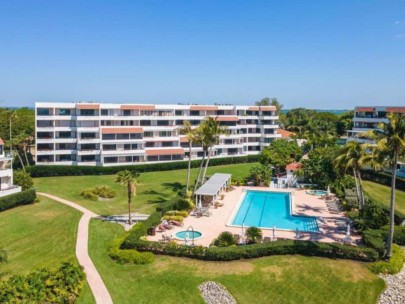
[(129, 256), (89, 194), (44, 286), (393, 266), (22, 179), (185, 204), (17, 199), (225, 239), (56, 170), (308, 248), (374, 239), (399, 234)]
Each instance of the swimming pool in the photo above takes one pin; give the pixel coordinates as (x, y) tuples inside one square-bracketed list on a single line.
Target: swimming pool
[(317, 192), (189, 234), (266, 209)]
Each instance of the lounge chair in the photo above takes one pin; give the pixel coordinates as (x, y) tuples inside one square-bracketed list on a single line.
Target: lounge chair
[(161, 228), (266, 239), (176, 223)]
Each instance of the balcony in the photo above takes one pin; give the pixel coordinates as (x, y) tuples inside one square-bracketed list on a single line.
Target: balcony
[(9, 190), (6, 172)]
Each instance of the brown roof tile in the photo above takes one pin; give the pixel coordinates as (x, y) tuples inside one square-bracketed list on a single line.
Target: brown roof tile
[(121, 130), (164, 152)]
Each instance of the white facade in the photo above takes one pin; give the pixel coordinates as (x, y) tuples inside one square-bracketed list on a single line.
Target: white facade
[(368, 118), (119, 134), (6, 174)]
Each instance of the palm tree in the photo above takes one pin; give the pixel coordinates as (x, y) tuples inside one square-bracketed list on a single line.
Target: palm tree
[(128, 178), (254, 234), (390, 140), (202, 139), (190, 133), (214, 130), (352, 157)]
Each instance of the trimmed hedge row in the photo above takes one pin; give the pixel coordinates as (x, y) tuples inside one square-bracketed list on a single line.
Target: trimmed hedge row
[(393, 266), (375, 238), (129, 256), (17, 199), (307, 248), (383, 178), (50, 170)]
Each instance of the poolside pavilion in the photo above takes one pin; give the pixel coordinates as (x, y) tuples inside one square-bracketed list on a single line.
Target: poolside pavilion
[(213, 187)]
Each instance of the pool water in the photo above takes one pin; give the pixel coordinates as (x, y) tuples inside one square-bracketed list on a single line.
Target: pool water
[(182, 234), (265, 209), (317, 192)]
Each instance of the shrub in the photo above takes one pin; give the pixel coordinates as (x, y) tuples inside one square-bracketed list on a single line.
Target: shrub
[(178, 213), (129, 256), (393, 266), (177, 218), (89, 194), (98, 191), (308, 248), (44, 286), (185, 204), (17, 199), (374, 239), (225, 239), (22, 179), (56, 170), (254, 234)]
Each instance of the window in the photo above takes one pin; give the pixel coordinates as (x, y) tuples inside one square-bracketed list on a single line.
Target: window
[(194, 113), (220, 112), (162, 122), (88, 158), (65, 134), (167, 144), (136, 136), (44, 147), (87, 112), (135, 147), (110, 160), (108, 136), (153, 158), (45, 135), (87, 147), (165, 157), (1, 149), (228, 141), (44, 123), (109, 147), (148, 134), (64, 112), (177, 157), (126, 112), (127, 147), (165, 133), (145, 123), (122, 136), (149, 144), (104, 112), (66, 157), (43, 112), (87, 135), (178, 112)]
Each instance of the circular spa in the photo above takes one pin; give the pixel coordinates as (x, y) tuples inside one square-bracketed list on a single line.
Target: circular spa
[(317, 192), (182, 235)]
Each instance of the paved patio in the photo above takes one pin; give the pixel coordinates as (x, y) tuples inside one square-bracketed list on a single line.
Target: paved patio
[(305, 204)]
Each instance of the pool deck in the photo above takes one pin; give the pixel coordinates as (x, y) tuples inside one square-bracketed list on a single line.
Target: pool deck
[(305, 204)]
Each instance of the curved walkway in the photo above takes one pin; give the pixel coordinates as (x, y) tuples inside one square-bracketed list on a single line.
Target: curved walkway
[(97, 286)]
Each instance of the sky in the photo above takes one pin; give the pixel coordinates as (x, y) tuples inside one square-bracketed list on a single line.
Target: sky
[(305, 53)]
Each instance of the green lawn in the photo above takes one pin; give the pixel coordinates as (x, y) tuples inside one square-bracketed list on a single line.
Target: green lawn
[(277, 279), (382, 194), (155, 188), (38, 235)]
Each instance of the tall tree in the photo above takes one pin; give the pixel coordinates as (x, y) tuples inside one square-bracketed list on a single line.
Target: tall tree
[(390, 143), (280, 153), (214, 131), (190, 133), (128, 178), (352, 157)]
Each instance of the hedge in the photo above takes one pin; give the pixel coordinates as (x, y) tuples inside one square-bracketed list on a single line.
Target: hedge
[(307, 248), (17, 199), (376, 238), (57, 170), (126, 256), (393, 266), (383, 178)]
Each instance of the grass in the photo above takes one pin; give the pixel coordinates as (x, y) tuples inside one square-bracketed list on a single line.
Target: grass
[(277, 279), (38, 235), (382, 194), (154, 188)]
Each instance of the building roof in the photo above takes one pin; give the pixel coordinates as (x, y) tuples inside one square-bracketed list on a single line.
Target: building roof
[(262, 108), (285, 133), (88, 106), (203, 108), (214, 184), (227, 118), (164, 152), (365, 109), (396, 109), (138, 107), (1, 142), (294, 166), (121, 130)]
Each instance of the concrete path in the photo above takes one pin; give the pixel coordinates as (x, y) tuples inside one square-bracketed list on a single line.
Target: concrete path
[(94, 279)]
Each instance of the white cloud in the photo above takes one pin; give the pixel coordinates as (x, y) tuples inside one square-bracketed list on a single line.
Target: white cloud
[(397, 22)]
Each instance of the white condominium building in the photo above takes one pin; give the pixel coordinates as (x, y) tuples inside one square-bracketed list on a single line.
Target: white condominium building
[(6, 173), (368, 118), (119, 134)]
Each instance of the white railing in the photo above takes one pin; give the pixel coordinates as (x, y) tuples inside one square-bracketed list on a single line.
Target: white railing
[(10, 190)]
